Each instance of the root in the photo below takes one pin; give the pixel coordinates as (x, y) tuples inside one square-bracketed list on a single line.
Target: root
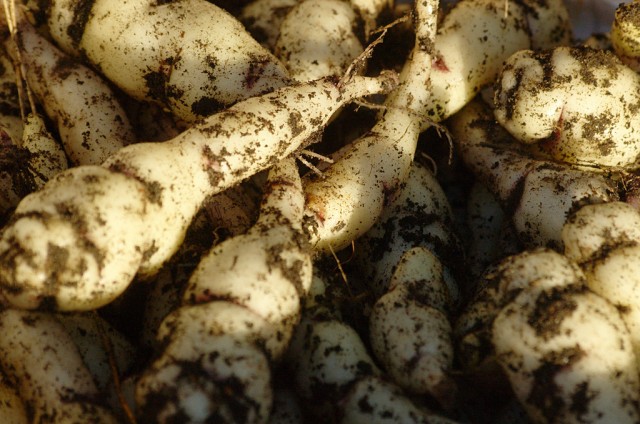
[(9, 9), (358, 65), (304, 152)]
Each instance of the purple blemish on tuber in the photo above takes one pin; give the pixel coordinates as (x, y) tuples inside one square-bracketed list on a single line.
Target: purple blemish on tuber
[(439, 65)]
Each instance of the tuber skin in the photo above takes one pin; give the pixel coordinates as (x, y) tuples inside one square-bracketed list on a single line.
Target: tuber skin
[(477, 36), (349, 197), (15, 179), (30, 154), (91, 122), (410, 331), (91, 230), (237, 316), (496, 287), (625, 34), (549, 375), (11, 119), (604, 239), (403, 262), (77, 243), (263, 18), (330, 50), (39, 356), (490, 230), (373, 399), (566, 351), (334, 374), (578, 105), (227, 214), (27, 163), (538, 194), (191, 56), (12, 408), (420, 216), (46, 156)]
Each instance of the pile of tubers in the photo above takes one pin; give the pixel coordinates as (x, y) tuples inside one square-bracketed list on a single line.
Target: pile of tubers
[(289, 211)]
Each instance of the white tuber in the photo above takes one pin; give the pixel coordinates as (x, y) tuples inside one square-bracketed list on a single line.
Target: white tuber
[(531, 269), (578, 105), (409, 327), (538, 194), (566, 350), (625, 34), (79, 242), (374, 400), (227, 214), (239, 311), (38, 355), (441, 75), (46, 155), (335, 375), (27, 163), (370, 11), (420, 216), (326, 50), (12, 408), (189, 55), (264, 17), (91, 122), (350, 195), (489, 228), (477, 36), (11, 119), (568, 356), (604, 239), (592, 229), (402, 260)]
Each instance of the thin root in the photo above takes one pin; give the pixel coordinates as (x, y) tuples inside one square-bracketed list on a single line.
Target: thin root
[(342, 273), (312, 154), (9, 7), (359, 63)]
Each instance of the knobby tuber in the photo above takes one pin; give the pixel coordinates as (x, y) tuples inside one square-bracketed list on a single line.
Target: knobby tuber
[(78, 243), (91, 122), (191, 56), (238, 314)]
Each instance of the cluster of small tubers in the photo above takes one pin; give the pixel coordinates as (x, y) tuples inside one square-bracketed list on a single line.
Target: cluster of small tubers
[(341, 211)]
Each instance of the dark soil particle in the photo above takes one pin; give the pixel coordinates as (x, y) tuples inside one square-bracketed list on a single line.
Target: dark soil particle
[(147, 254), (552, 307), (545, 394), (215, 176), (580, 399), (12, 163), (256, 69), (156, 82), (231, 392), (206, 106), (365, 405), (294, 121), (511, 95), (81, 15), (64, 67), (591, 59), (153, 189)]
